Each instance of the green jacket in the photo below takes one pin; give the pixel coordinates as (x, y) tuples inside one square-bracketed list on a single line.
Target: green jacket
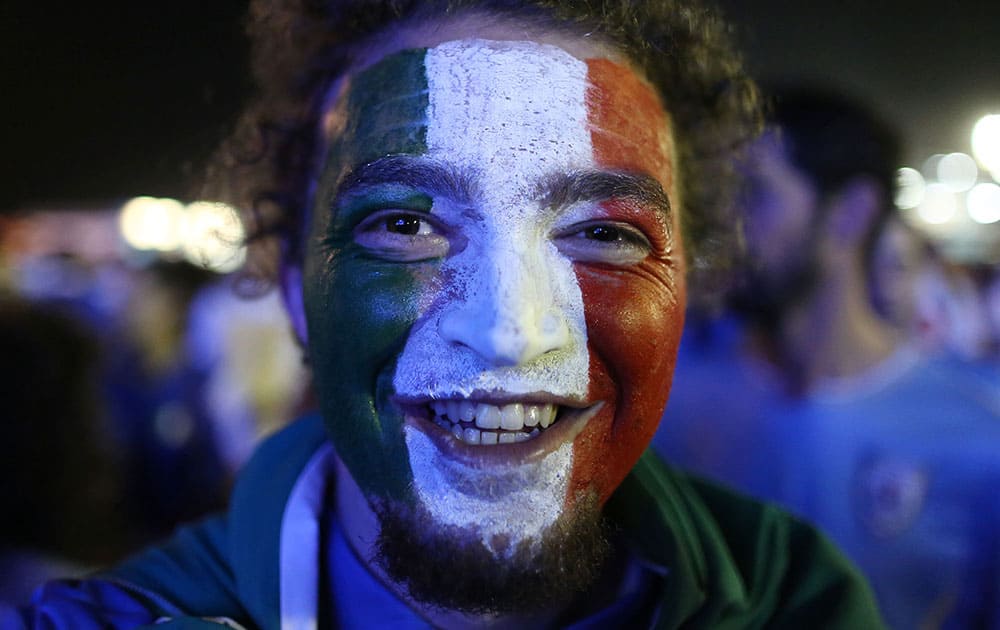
[(730, 562)]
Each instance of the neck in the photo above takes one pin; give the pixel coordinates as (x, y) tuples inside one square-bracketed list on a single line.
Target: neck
[(836, 332), (361, 529)]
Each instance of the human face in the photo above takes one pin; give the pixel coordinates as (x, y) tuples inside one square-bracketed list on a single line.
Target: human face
[(493, 281), (895, 266), (781, 210)]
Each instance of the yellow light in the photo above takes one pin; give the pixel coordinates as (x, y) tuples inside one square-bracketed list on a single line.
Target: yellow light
[(986, 142), (148, 223), (214, 236)]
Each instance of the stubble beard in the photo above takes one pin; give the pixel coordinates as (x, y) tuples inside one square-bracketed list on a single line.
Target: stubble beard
[(451, 568)]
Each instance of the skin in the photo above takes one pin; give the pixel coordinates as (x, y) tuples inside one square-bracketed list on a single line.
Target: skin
[(896, 264), (782, 211), (809, 252), (503, 269)]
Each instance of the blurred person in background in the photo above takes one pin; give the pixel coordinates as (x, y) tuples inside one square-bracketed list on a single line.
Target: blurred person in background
[(992, 298), (156, 399), (59, 477), (811, 391), (245, 397), (901, 259)]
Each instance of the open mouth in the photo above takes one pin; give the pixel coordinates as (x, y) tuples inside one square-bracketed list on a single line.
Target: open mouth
[(499, 432), (486, 424)]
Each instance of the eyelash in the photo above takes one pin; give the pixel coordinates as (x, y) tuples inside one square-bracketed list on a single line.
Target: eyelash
[(622, 233), (627, 244), (375, 234), (421, 237)]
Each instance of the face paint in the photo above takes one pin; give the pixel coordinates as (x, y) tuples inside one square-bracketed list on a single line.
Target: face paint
[(512, 258)]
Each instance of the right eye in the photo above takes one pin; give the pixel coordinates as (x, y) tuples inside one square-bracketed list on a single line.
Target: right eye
[(407, 225), (402, 236)]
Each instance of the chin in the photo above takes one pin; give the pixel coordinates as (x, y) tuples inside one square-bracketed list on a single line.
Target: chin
[(463, 568), (507, 492)]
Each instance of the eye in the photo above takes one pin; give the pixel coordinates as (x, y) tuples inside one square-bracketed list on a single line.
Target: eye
[(609, 242), (603, 233), (407, 225), (402, 236)]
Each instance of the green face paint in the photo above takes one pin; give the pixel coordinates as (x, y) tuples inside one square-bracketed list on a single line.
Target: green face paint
[(487, 246), (359, 308)]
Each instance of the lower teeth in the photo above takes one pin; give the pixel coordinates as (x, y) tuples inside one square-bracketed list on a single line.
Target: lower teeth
[(472, 435)]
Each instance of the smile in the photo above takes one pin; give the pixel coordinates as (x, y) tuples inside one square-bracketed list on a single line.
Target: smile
[(499, 432), (486, 424)]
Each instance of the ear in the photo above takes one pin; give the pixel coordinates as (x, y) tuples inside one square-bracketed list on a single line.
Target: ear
[(852, 210), (291, 294)]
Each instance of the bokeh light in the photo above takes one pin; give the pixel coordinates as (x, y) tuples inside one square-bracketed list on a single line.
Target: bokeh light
[(986, 142), (205, 233), (957, 171), (150, 223), (930, 167), (939, 205), (910, 188), (983, 203), (214, 236)]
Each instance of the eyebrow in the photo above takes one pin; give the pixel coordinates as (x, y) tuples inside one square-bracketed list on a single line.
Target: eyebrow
[(414, 172), (559, 190), (566, 189)]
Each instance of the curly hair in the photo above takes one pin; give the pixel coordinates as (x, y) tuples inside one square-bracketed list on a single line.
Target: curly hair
[(300, 47)]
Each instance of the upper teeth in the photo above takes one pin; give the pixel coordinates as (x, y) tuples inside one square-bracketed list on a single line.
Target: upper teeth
[(492, 424)]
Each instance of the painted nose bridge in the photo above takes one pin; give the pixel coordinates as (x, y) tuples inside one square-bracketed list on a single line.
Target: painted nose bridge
[(511, 315)]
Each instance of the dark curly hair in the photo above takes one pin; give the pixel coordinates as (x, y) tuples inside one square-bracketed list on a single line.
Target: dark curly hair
[(300, 46)]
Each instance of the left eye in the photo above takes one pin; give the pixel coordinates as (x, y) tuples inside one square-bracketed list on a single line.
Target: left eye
[(401, 236), (407, 225), (608, 242), (603, 233)]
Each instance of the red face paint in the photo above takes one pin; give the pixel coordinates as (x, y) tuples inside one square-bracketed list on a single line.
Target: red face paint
[(630, 129), (634, 314)]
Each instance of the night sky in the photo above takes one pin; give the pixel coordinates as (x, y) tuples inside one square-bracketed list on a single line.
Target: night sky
[(106, 100)]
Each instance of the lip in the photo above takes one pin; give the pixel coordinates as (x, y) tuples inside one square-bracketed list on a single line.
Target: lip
[(570, 422)]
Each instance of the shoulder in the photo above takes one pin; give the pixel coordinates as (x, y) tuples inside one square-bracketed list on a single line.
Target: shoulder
[(225, 567), (732, 559), (180, 578)]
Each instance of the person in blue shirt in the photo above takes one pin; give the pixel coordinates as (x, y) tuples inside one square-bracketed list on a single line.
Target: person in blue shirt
[(807, 394)]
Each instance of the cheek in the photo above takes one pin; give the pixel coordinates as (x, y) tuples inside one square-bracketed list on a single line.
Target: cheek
[(359, 314), (634, 322)]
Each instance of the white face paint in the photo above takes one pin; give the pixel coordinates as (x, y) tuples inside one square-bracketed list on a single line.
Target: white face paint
[(508, 318)]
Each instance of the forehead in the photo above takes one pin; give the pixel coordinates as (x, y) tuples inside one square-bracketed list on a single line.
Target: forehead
[(508, 101)]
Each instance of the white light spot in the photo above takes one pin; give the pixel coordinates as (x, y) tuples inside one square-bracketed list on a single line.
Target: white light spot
[(930, 167), (213, 236), (939, 205), (958, 172), (910, 188), (148, 223), (986, 142), (983, 203)]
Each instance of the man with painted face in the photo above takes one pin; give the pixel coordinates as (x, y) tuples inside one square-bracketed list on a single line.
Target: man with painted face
[(490, 278)]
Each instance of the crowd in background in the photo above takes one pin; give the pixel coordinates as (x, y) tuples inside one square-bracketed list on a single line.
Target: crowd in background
[(853, 375), (130, 405)]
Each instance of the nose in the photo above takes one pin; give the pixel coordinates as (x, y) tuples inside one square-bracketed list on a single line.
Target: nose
[(510, 314)]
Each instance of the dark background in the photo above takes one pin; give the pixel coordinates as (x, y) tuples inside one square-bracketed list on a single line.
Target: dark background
[(105, 100)]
